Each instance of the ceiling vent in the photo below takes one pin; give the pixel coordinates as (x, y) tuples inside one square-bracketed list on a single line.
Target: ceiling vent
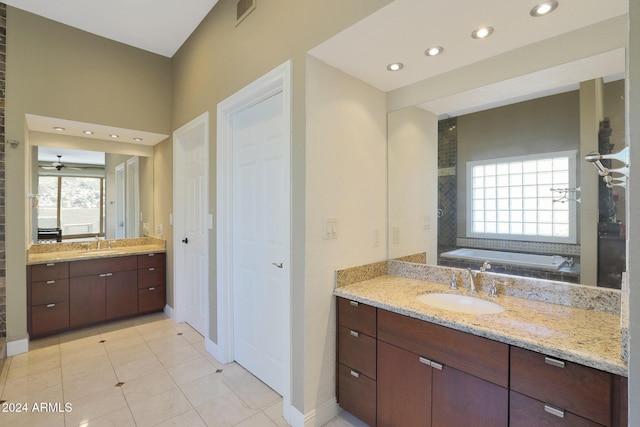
[(243, 9)]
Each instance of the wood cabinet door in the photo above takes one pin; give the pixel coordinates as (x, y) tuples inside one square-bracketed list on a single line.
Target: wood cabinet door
[(86, 300), (404, 388), (121, 294), (461, 400)]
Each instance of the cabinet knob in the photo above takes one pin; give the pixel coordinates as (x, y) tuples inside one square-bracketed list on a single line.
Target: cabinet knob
[(50, 282), (355, 374), (353, 303), (152, 269), (50, 305), (354, 334), (152, 289)]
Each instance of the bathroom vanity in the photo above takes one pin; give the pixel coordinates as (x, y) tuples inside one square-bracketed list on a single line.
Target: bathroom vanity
[(400, 362), (75, 288)]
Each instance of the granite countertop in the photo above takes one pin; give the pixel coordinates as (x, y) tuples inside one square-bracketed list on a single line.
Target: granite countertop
[(45, 253), (588, 337)]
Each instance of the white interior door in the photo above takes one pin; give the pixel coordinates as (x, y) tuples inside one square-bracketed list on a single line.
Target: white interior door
[(191, 223), (120, 229), (260, 240)]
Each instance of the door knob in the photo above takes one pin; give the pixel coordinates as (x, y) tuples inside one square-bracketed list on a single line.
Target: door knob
[(279, 265), (185, 240)]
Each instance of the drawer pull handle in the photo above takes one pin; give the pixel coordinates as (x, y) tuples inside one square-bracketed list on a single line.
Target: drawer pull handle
[(436, 365), (554, 362), (51, 264), (425, 361), (152, 269), (554, 411), (50, 282), (353, 303), (152, 289), (355, 374), (102, 275), (151, 254), (354, 334), (50, 305), (109, 274)]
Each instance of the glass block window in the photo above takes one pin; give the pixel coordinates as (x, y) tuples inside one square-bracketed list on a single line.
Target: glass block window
[(513, 198)]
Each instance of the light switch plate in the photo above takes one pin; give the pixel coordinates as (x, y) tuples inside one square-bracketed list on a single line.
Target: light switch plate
[(330, 227)]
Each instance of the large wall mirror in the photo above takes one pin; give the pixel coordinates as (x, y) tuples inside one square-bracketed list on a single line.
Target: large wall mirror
[(83, 188), (506, 181)]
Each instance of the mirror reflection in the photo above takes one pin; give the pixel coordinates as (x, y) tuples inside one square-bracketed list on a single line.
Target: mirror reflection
[(84, 195), (513, 187)]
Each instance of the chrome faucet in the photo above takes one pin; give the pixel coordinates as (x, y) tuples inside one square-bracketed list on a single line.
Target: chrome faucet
[(472, 276), (98, 244)]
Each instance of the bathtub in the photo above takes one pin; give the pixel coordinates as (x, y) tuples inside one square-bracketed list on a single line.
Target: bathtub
[(545, 262)]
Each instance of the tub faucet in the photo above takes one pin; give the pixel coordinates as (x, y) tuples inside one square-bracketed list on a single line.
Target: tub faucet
[(472, 276)]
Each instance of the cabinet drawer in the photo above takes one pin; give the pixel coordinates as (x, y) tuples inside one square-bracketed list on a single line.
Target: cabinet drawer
[(575, 388), (102, 265), (528, 412), (357, 394), (50, 271), (357, 351), (50, 291), (49, 318), (474, 355), (357, 316), (151, 277), (151, 260), (151, 299)]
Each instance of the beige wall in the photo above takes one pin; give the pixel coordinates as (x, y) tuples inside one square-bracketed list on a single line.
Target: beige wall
[(218, 60), (57, 71)]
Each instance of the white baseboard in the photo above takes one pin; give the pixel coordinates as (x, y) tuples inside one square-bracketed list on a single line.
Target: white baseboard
[(169, 311), (316, 417), (17, 347)]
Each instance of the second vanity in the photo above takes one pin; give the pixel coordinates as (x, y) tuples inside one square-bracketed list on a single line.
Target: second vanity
[(402, 362), (71, 288)]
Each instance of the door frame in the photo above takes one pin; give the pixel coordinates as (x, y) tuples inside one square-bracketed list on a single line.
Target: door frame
[(276, 81), (178, 219)]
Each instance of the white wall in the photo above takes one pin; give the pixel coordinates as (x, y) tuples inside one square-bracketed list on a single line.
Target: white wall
[(346, 151), (413, 183)]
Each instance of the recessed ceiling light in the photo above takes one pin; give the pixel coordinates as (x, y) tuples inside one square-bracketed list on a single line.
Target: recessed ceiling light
[(88, 132), (137, 139), (544, 8), (396, 66), (482, 32), (434, 51), (59, 129), (113, 135)]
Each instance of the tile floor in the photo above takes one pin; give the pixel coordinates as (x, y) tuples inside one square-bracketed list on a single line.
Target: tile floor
[(146, 371)]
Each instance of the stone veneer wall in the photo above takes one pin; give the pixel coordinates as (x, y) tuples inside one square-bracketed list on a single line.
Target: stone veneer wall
[(447, 183), (3, 280)]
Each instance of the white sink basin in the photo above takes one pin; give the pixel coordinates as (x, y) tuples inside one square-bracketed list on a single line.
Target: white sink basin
[(460, 303)]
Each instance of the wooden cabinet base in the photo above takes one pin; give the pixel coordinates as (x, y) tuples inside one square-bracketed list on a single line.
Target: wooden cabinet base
[(50, 318), (357, 394)]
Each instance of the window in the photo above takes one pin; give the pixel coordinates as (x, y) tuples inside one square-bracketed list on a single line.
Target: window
[(74, 204), (512, 198)]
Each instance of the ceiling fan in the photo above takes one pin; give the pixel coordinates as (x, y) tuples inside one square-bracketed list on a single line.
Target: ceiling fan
[(59, 165)]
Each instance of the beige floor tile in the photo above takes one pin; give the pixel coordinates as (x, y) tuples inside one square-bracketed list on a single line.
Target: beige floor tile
[(70, 354), (258, 420), (188, 419), (345, 419), (227, 410), (123, 341), (120, 418), (205, 389), (31, 383), (36, 355), (274, 412), (49, 394), (125, 355), (28, 368), (32, 419), (138, 368), (85, 366), (160, 408), (200, 348), (93, 406), (117, 326), (80, 337), (236, 376), (257, 395), (81, 384), (41, 343), (178, 355), (145, 387), (191, 370)]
